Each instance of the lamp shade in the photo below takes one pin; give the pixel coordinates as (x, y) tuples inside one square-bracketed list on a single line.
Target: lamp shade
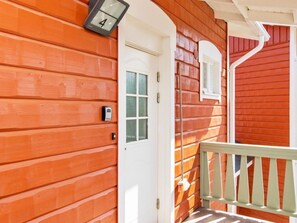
[(105, 15)]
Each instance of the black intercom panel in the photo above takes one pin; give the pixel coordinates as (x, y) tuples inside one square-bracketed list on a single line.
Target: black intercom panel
[(106, 113)]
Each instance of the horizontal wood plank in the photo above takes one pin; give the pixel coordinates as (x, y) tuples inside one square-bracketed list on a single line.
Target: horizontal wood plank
[(31, 114), (71, 11), (109, 217), (22, 52), (21, 21), (276, 152), (84, 210), (55, 196), (24, 145), (22, 176), (28, 83)]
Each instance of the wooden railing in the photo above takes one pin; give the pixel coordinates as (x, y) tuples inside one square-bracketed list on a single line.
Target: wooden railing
[(240, 195)]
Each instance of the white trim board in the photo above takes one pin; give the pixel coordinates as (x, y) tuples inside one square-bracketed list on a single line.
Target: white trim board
[(165, 30), (293, 97), (293, 89)]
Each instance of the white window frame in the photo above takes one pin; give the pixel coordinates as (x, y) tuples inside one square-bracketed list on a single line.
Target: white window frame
[(209, 54)]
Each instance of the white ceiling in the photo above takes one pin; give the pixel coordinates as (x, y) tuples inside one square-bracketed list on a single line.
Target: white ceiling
[(241, 15)]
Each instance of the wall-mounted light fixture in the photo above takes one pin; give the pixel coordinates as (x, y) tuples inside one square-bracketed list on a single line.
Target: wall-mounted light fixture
[(105, 15)]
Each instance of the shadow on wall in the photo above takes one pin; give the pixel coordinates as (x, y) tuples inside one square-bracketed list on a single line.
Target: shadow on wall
[(204, 120)]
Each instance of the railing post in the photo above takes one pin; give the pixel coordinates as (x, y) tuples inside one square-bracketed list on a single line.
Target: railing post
[(204, 177)]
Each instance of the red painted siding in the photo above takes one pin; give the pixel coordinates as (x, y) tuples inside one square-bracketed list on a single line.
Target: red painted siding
[(202, 120), (58, 162), (54, 78), (262, 99)]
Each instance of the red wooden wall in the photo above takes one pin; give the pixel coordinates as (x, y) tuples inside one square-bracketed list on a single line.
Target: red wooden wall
[(57, 158), (262, 98), (202, 120), (58, 162)]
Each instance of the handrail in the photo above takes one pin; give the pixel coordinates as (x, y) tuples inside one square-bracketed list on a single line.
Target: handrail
[(212, 188)]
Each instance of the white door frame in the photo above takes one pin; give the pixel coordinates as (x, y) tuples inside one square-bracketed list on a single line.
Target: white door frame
[(148, 14)]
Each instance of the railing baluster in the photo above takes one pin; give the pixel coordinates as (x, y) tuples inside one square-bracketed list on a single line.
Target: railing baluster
[(217, 183), (289, 202), (273, 191), (256, 200), (258, 189), (243, 190), (230, 180)]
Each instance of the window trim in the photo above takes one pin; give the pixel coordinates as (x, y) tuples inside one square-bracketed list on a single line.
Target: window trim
[(209, 52)]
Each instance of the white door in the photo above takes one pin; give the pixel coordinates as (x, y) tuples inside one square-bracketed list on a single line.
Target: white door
[(140, 172)]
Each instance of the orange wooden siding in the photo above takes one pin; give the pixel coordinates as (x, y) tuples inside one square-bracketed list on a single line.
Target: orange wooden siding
[(202, 120), (262, 99), (58, 162), (54, 79)]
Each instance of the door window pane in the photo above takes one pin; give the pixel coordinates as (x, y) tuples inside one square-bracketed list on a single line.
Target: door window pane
[(142, 84), (143, 129), (131, 82), (131, 106), (131, 131), (143, 107), (136, 106)]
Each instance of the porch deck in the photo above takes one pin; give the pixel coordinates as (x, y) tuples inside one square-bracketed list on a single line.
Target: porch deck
[(212, 216)]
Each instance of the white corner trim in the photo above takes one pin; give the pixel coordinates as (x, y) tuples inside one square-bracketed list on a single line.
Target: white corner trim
[(141, 11), (228, 84), (293, 89), (293, 97)]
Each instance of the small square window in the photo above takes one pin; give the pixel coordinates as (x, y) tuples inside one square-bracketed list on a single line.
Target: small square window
[(210, 60)]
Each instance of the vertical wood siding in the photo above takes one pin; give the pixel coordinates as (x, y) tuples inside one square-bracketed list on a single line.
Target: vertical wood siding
[(262, 99), (202, 120), (57, 160)]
